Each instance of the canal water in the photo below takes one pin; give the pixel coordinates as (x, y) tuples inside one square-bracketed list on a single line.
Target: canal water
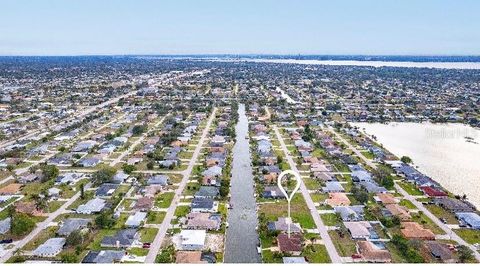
[(242, 238)]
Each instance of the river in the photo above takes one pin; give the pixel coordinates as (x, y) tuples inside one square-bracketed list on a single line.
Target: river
[(439, 150), (242, 238), (439, 65)]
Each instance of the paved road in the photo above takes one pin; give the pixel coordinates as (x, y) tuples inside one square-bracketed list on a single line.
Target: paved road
[(322, 229), (136, 143), (40, 226), (155, 246), (413, 199), (444, 227)]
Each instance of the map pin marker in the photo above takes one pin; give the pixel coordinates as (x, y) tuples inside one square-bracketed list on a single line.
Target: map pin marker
[(289, 197)]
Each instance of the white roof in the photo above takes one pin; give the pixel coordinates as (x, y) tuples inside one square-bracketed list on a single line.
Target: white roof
[(193, 237)]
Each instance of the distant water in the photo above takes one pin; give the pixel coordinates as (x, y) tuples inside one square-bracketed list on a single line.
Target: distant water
[(439, 150), (442, 65)]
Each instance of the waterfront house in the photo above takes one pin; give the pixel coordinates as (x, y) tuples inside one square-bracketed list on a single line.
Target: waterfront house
[(282, 225), (190, 257), (192, 239), (453, 205), (292, 245), (204, 205), (207, 192), (203, 221), (470, 219)]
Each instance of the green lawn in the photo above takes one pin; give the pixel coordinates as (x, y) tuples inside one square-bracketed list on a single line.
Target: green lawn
[(442, 213), (472, 236), (427, 223), (155, 217), (147, 235), (345, 246), (299, 211), (330, 219), (410, 188), (408, 204), (182, 211), (316, 254), (164, 200)]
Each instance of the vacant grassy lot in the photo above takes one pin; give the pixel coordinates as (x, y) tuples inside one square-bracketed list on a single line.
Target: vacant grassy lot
[(299, 211), (410, 188), (442, 213), (316, 254), (164, 200), (330, 219), (470, 235), (147, 235), (345, 246), (155, 217)]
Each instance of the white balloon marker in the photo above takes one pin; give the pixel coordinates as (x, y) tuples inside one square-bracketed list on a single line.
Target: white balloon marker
[(289, 197)]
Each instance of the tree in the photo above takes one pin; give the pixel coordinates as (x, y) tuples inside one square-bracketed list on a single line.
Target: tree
[(464, 254), (150, 165), (360, 194), (74, 239), (406, 159), (82, 191), (139, 129), (104, 220), (128, 168), (21, 224), (69, 258), (104, 175), (49, 172)]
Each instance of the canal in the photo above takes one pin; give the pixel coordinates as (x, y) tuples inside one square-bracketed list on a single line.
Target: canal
[(242, 238)]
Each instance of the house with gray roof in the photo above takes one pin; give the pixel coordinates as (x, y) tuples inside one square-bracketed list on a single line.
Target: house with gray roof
[(5, 225), (470, 219), (51, 248), (158, 180), (135, 220), (333, 186), (123, 239), (72, 224), (207, 192), (350, 213), (104, 256), (204, 205), (92, 206)]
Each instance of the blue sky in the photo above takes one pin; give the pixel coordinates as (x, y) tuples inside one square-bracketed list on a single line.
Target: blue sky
[(80, 27)]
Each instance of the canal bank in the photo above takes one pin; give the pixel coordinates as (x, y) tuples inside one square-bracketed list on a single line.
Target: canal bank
[(242, 238)]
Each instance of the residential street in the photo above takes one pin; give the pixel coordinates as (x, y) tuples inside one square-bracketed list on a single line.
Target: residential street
[(155, 245), (322, 229)]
